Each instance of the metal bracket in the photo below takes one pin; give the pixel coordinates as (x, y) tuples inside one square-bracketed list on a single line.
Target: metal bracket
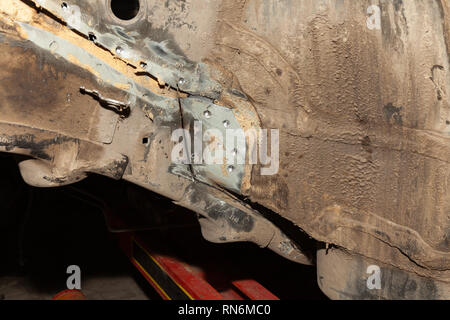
[(121, 108)]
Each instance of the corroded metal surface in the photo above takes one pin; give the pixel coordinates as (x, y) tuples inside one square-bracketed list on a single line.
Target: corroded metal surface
[(365, 121), (363, 114), (65, 112)]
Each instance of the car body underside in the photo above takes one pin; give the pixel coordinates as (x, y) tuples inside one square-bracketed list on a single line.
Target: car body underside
[(362, 117)]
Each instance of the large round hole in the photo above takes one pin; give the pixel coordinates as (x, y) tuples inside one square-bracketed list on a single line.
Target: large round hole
[(125, 9)]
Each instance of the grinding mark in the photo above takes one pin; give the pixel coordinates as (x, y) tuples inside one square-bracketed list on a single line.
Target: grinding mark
[(263, 53), (108, 74), (256, 59), (265, 43), (77, 62), (26, 14), (166, 63)]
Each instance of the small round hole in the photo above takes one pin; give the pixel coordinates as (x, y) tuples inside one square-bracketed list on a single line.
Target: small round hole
[(207, 114), (125, 9), (92, 37), (119, 50), (145, 140)]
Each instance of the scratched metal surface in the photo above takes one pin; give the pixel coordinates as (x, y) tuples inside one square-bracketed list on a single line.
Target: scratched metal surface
[(363, 113)]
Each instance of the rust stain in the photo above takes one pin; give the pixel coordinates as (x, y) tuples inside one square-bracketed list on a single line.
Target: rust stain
[(321, 77), (15, 10)]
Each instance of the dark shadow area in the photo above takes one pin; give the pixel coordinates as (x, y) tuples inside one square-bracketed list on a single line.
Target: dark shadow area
[(223, 263), (43, 231)]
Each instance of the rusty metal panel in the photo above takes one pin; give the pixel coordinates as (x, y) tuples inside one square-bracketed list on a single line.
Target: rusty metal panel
[(362, 110)]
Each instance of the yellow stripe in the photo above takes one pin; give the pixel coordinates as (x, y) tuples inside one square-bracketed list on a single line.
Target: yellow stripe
[(190, 297), (148, 275)]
